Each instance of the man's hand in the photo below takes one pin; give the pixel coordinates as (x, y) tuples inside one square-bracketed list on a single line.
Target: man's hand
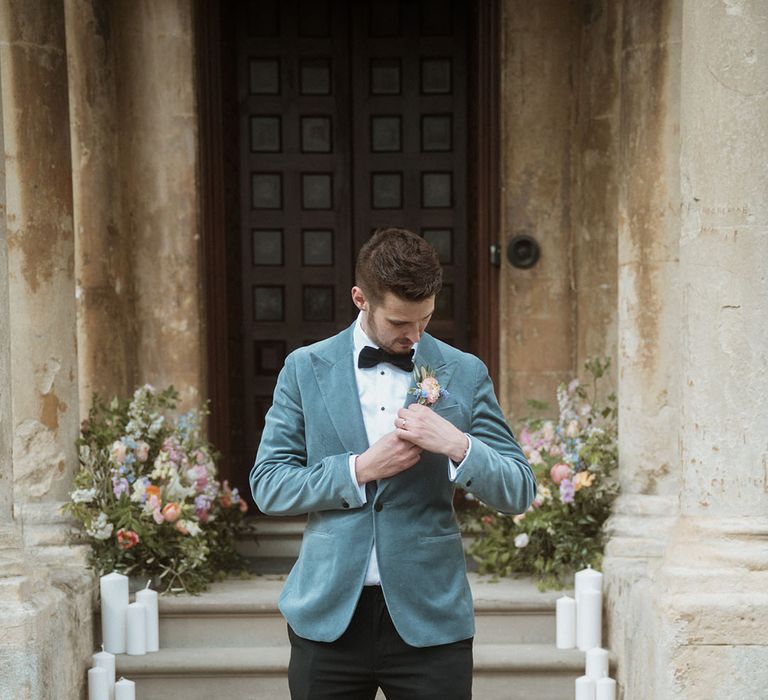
[(387, 456), (421, 426)]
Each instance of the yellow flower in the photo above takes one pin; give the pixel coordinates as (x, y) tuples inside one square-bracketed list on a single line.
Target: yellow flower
[(583, 479)]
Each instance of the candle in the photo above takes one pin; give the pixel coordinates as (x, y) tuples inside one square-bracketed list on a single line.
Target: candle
[(605, 688), (105, 660), (148, 598), (585, 688), (589, 619), (585, 580), (597, 662), (97, 684), (565, 609), (136, 621), (114, 602), (125, 690)]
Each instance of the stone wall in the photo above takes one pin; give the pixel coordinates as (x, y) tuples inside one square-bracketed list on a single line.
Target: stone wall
[(560, 125)]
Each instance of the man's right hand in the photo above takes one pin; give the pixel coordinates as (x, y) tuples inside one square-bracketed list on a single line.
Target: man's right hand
[(387, 456)]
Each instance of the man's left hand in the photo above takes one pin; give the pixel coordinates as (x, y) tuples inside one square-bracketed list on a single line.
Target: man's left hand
[(430, 431)]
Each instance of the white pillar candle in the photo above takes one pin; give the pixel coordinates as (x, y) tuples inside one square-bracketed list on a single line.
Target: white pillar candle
[(589, 620), (137, 629), (97, 684), (125, 690), (105, 660), (585, 580), (597, 662), (148, 598), (605, 689), (565, 610), (585, 688), (114, 603)]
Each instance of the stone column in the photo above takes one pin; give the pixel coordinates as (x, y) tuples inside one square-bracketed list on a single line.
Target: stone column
[(539, 43), (46, 595), (714, 583), (40, 250), (6, 416), (157, 123), (649, 320), (103, 255)]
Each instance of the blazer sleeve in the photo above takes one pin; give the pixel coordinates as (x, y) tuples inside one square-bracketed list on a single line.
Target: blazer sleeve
[(281, 480), (496, 470)]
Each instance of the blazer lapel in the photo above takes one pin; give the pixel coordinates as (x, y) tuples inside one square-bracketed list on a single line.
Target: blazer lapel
[(335, 373)]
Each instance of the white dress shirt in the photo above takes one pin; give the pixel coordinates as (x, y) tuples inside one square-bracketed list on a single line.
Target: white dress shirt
[(383, 390)]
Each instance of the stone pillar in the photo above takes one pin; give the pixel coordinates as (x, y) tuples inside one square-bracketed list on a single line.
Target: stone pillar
[(714, 583), (157, 123), (648, 332), (40, 250), (103, 255), (45, 591), (6, 416), (539, 43), (594, 183)]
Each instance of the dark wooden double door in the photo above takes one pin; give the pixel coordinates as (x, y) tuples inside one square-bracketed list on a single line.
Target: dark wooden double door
[(339, 117), (352, 117)]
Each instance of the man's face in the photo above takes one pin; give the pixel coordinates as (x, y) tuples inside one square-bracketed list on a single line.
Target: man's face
[(394, 324)]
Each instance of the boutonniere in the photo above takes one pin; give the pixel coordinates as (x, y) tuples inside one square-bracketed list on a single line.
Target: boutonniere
[(427, 390)]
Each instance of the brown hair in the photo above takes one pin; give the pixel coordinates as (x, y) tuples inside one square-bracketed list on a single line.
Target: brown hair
[(398, 261)]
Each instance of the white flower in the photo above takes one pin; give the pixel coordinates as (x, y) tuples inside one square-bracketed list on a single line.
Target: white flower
[(573, 429), (535, 457), (521, 540), (518, 518), (101, 528), (83, 495), (191, 526)]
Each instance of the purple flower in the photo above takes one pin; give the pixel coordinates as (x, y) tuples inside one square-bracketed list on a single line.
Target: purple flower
[(567, 490), (119, 486)]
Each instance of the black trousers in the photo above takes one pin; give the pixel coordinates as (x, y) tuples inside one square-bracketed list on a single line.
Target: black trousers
[(371, 655)]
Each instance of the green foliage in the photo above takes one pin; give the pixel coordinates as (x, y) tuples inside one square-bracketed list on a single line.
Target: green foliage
[(147, 495), (574, 458)]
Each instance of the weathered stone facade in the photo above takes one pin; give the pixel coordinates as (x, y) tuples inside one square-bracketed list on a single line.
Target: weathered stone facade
[(633, 149)]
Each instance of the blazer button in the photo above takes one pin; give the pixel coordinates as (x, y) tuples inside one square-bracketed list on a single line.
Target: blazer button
[(345, 504), (378, 507), (469, 483)]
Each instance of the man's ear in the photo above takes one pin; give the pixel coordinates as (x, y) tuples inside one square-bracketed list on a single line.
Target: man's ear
[(358, 298)]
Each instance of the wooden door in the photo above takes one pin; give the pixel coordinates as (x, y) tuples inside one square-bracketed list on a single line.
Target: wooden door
[(352, 117)]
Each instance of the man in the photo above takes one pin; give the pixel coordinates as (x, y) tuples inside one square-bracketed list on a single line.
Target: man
[(379, 595)]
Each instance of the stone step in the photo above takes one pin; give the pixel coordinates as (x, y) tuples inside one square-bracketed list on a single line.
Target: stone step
[(501, 672), (243, 613)]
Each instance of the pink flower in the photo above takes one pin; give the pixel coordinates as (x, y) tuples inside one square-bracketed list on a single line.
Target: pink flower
[(535, 457), (118, 451), (559, 472), (127, 538), (171, 512), (526, 436), (243, 506), (158, 516), (200, 456), (487, 519), (432, 389), (142, 451)]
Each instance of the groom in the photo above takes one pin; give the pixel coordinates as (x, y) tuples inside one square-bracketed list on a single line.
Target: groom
[(379, 595)]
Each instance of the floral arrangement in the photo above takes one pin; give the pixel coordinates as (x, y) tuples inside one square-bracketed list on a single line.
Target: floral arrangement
[(427, 390), (574, 459), (147, 495)]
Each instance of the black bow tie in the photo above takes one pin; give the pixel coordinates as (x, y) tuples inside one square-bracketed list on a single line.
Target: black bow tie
[(370, 357)]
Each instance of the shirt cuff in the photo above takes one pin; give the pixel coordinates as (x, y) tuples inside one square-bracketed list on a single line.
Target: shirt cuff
[(453, 469), (360, 487)]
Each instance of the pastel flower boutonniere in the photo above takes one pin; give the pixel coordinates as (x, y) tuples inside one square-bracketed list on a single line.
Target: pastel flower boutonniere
[(427, 390)]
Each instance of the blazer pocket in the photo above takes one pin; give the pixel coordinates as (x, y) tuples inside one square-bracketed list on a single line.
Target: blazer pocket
[(427, 539)]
